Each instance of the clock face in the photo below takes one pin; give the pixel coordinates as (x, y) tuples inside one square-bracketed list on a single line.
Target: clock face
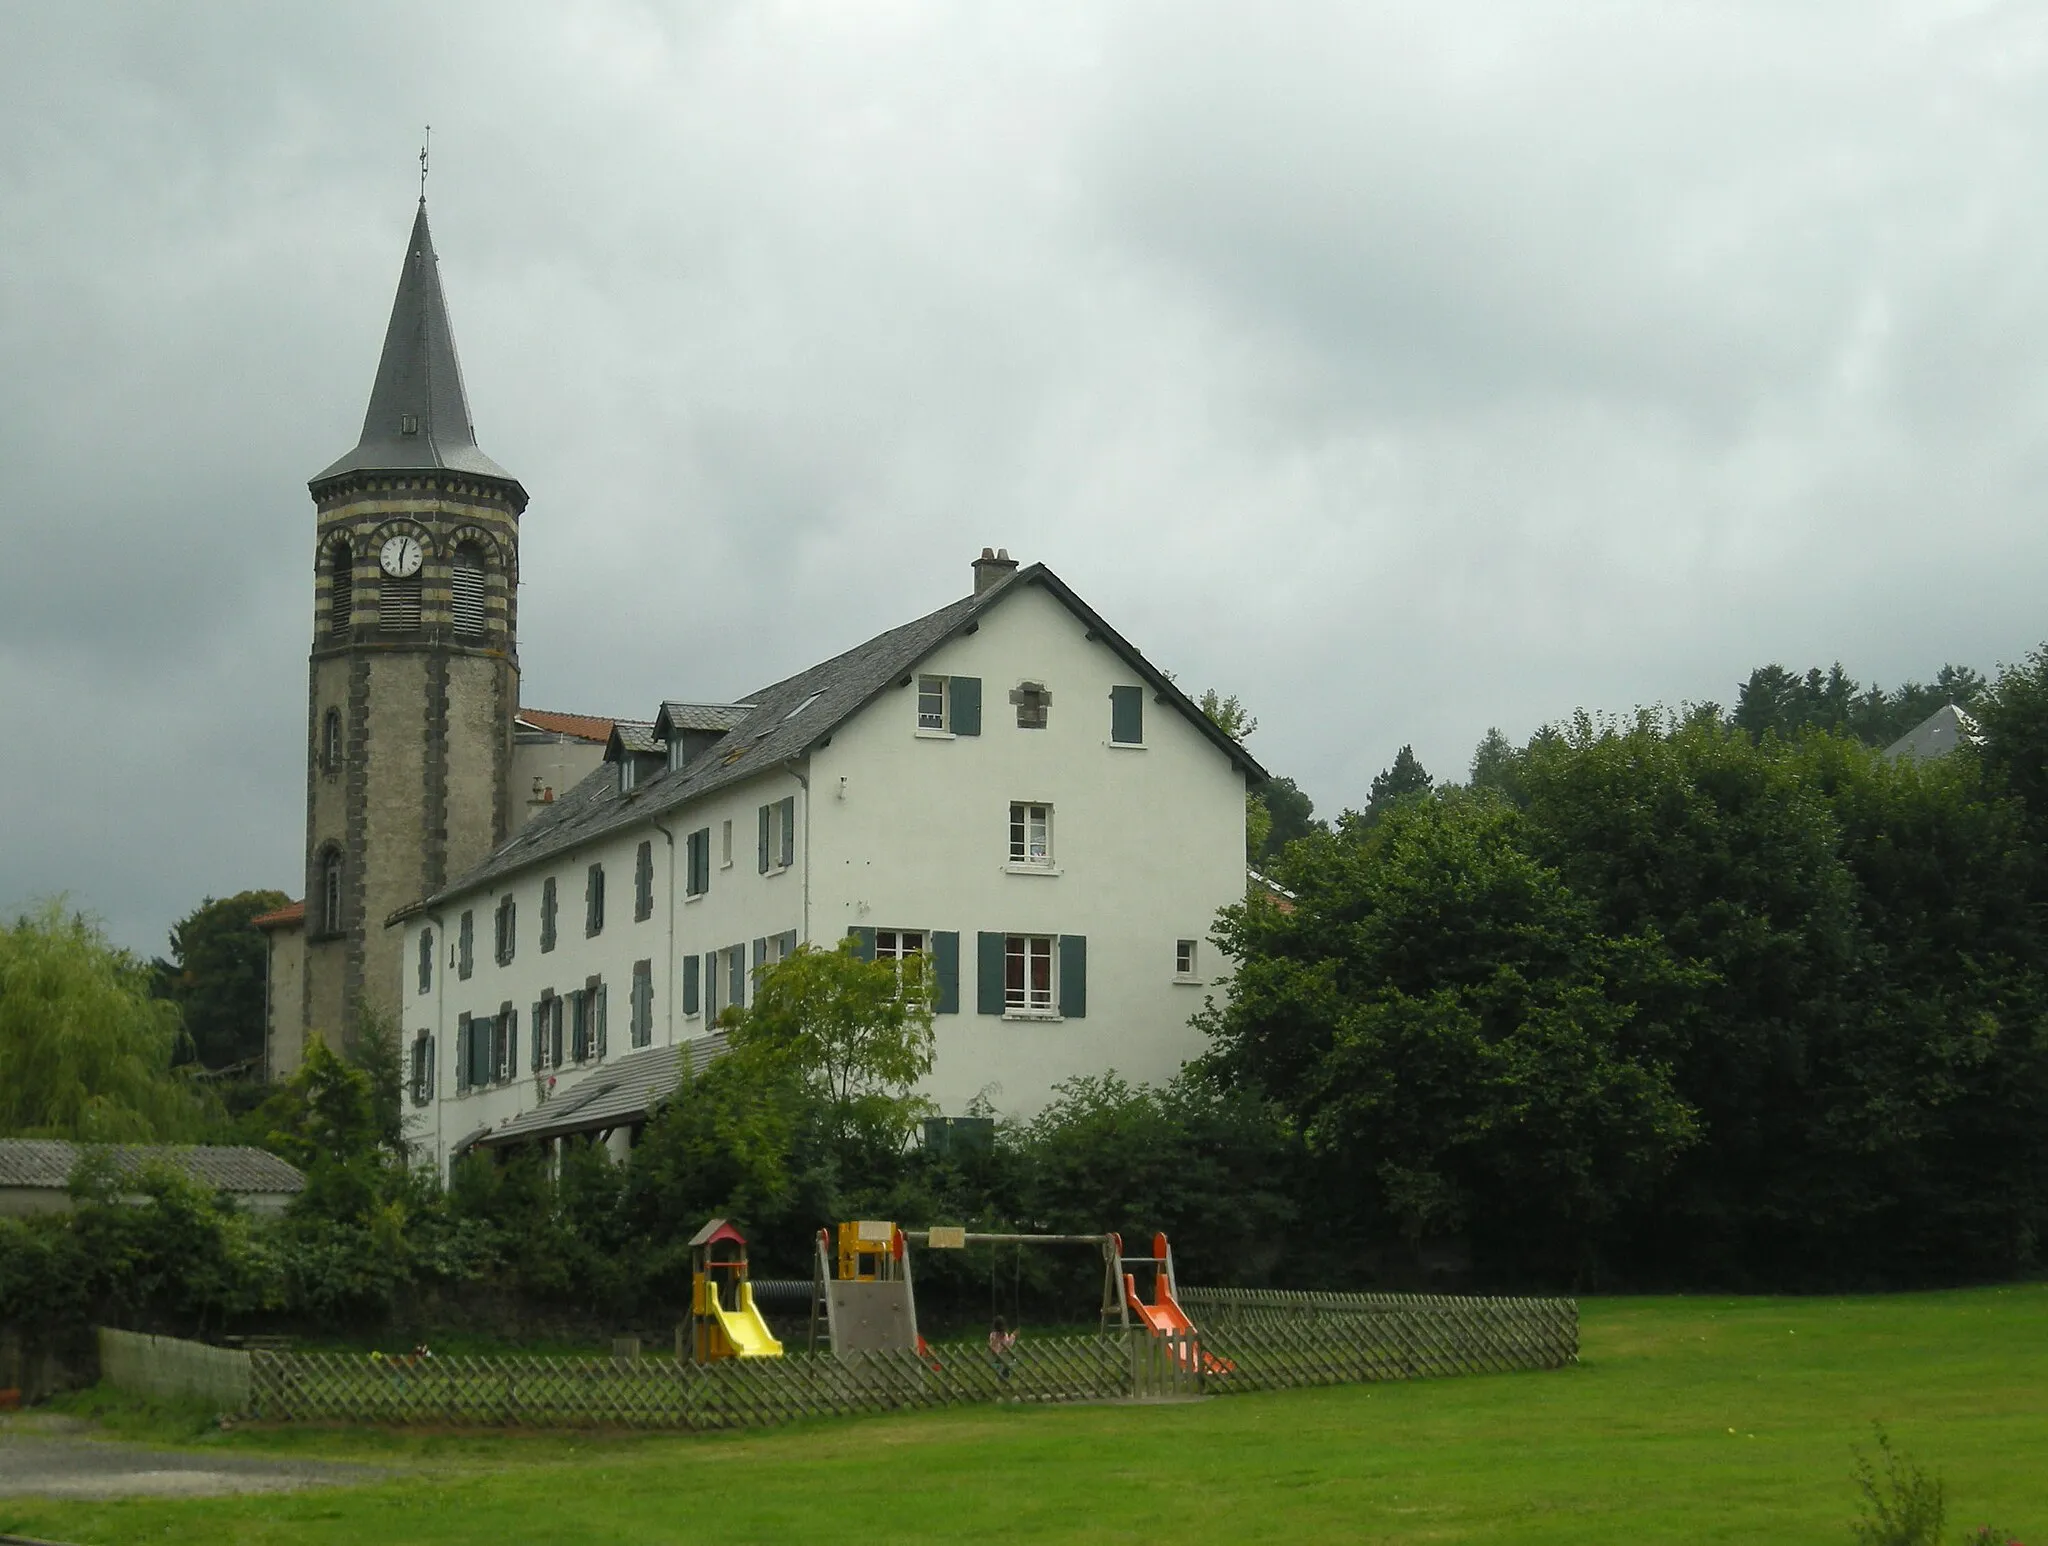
[(400, 556)]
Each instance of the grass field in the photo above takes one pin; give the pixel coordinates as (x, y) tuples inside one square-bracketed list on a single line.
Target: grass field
[(1687, 1420)]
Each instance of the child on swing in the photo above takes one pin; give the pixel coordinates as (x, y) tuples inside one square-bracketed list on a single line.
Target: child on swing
[(1000, 1340)]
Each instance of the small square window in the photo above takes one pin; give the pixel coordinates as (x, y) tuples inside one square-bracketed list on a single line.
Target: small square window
[(1184, 958), (931, 703)]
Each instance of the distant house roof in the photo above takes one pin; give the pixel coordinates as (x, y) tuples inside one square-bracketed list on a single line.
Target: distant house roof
[(1936, 736), (633, 735), (48, 1162), (584, 727), (786, 720), (291, 915), (612, 1095)]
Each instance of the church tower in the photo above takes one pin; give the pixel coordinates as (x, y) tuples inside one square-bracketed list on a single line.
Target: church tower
[(415, 670)]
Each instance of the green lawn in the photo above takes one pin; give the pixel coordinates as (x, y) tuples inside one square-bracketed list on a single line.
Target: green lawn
[(1688, 1420)]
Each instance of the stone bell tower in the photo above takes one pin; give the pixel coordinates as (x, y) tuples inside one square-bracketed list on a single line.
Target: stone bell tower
[(415, 670)]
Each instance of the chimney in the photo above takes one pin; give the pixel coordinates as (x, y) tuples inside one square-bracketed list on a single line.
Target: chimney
[(992, 568)]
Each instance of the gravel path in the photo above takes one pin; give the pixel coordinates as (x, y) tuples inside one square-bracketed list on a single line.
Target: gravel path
[(58, 1461)]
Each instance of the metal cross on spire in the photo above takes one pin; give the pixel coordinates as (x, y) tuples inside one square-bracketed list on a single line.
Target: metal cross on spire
[(425, 145)]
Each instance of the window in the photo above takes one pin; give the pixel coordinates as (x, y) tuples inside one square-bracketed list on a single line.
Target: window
[(1184, 959), (422, 1069), (426, 960), (463, 1065), (725, 848), (1027, 974), (643, 1003), (593, 901), (466, 591), (778, 835), (505, 1044), (725, 980), (1127, 716), (398, 603), (547, 915), (466, 952), (949, 705), (697, 860), (506, 934), (599, 996), (896, 944), (341, 595), (643, 882), (330, 741), (692, 986), (332, 918), (1033, 705), (547, 1032), (579, 1024), (1031, 836)]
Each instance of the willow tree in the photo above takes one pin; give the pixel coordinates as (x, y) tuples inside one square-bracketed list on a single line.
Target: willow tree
[(86, 1051)]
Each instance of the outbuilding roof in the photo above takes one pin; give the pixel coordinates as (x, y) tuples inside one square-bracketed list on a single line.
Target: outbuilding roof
[(48, 1162), (783, 722), (628, 1090)]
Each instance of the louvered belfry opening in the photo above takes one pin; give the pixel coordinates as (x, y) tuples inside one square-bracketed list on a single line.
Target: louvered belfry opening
[(398, 605), (467, 591), (341, 598)]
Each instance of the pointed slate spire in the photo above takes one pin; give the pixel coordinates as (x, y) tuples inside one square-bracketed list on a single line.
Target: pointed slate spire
[(419, 415)]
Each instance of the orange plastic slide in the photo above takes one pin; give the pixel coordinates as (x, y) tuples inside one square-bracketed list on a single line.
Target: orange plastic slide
[(1164, 1317)]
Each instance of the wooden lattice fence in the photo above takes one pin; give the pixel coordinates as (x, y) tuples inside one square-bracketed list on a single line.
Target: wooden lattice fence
[(1248, 1341)]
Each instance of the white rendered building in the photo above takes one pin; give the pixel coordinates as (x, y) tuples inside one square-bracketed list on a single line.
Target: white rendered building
[(1005, 783)]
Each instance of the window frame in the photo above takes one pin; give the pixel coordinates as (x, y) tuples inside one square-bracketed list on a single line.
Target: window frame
[(1019, 953), (1187, 960), (1024, 816), (942, 688)]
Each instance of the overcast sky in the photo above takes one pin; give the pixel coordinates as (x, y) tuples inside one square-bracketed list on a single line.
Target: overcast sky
[(1403, 370)]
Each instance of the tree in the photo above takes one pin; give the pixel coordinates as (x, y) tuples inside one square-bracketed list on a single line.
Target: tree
[(1228, 715), (1497, 766), (1407, 777), (857, 1032), (1456, 1037), (216, 976), (1290, 815), (86, 1050)]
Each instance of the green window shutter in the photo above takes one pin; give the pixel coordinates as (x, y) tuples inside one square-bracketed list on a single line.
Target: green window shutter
[(988, 974), (763, 845), (737, 955), (511, 1040), (691, 967), (1127, 715), (1074, 976), (760, 952), (711, 977), (789, 831), (964, 701), (539, 1037), (863, 941), (946, 967), (462, 1064), (785, 944)]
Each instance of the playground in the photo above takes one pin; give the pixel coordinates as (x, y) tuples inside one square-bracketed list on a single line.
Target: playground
[(1687, 1419)]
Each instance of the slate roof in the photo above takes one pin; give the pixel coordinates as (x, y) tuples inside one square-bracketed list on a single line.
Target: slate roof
[(1936, 736), (702, 716), (48, 1162), (622, 1091), (585, 727), (783, 722), (636, 735), (419, 381)]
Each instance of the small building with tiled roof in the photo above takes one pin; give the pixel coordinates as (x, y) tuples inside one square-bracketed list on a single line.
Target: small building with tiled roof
[(35, 1173)]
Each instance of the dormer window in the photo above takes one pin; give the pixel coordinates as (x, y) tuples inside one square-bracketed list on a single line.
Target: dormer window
[(629, 773)]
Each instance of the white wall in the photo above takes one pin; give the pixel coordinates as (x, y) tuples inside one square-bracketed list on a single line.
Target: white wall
[(1147, 844)]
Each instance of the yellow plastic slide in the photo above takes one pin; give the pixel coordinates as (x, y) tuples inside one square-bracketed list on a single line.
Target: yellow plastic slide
[(744, 1327)]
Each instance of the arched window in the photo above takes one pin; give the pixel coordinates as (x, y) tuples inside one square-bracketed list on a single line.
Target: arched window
[(398, 604), (466, 587), (341, 599), (331, 918), (330, 741)]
